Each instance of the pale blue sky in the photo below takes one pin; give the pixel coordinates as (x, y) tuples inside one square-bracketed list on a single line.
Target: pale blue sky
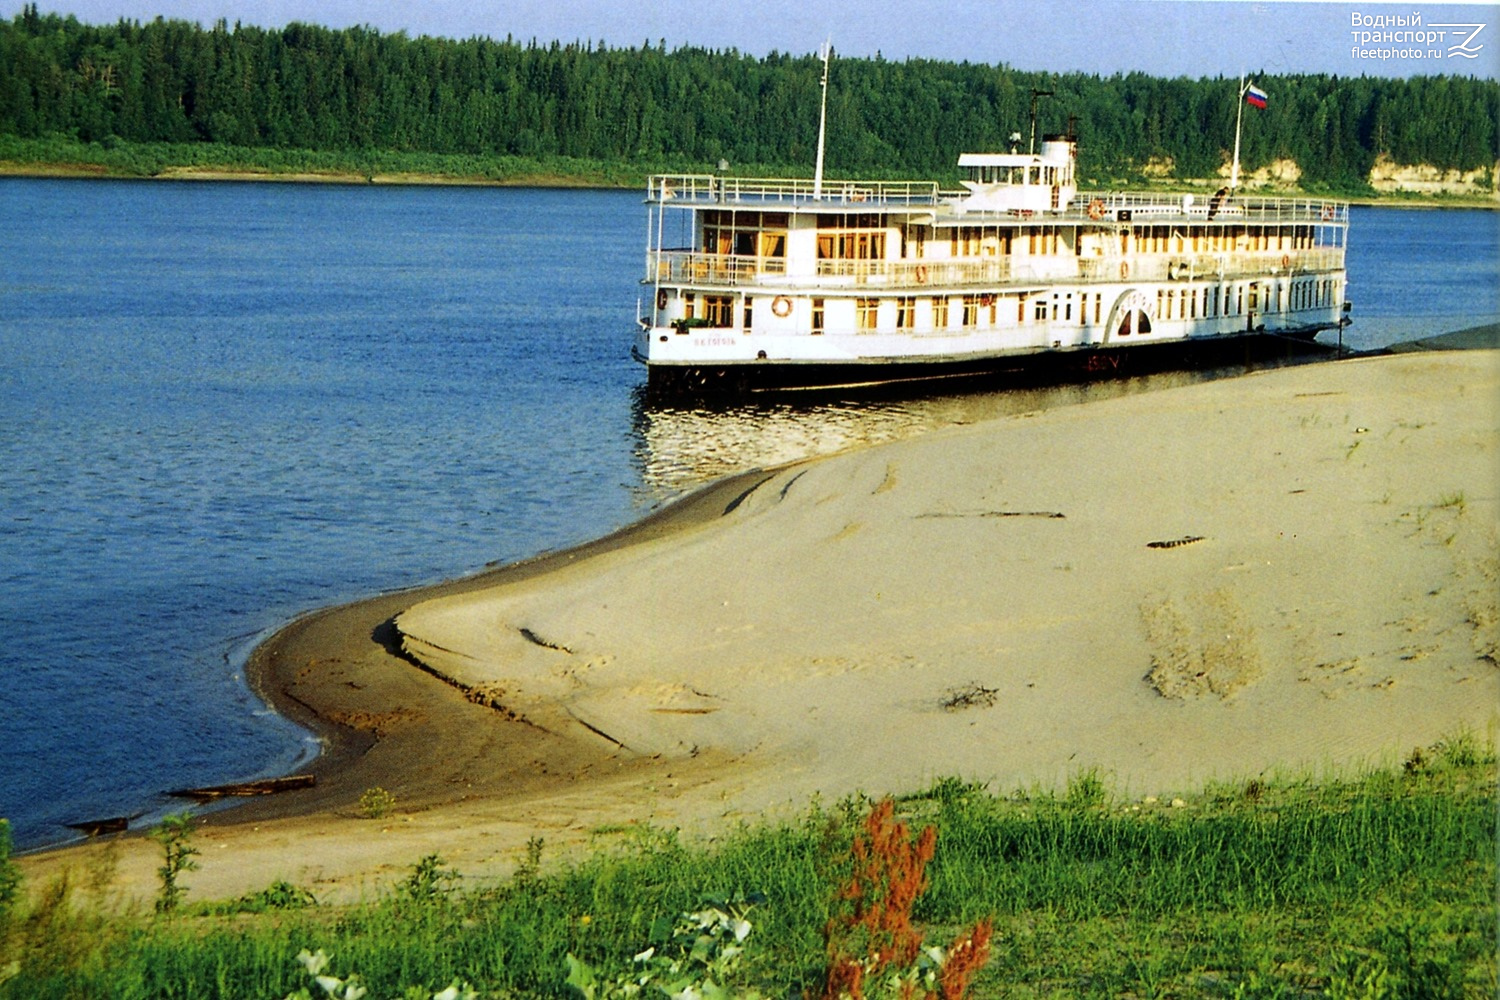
[(1161, 37)]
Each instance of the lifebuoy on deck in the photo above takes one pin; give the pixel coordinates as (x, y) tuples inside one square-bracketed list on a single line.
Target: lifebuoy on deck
[(661, 298), (1096, 209), (921, 274), (1124, 269), (1286, 260), (782, 306)]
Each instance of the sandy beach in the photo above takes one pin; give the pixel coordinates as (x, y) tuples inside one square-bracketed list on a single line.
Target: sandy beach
[(1295, 569)]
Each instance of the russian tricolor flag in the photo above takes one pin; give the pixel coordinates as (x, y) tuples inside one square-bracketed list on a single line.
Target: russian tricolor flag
[(1255, 96)]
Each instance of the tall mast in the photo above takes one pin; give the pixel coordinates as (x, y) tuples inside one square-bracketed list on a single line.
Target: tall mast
[(1239, 110), (822, 122)]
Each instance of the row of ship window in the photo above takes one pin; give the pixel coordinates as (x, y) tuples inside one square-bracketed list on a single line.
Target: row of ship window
[(975, 241), (1171, 303)]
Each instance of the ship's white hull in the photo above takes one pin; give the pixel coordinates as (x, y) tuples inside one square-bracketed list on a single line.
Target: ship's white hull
[(665, 345), (734, 359), (999, 368)]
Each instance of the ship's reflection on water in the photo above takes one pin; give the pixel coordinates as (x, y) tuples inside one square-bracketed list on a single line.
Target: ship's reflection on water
[(680, 447)]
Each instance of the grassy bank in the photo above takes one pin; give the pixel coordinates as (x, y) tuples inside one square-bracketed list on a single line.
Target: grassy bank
[(59, 156), (1376, 885)]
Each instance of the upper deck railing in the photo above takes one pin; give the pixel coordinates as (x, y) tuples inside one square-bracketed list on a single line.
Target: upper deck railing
[(1195, 208), (708, 191)]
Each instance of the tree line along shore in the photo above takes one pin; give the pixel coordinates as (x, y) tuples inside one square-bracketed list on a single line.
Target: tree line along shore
[(147, 99)]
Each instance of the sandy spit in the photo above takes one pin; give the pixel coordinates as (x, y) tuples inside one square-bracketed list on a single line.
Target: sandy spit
[(1294, 569)]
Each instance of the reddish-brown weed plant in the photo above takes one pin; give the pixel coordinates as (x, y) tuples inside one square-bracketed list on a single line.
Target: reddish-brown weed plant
[(965, 959), (873, 934)]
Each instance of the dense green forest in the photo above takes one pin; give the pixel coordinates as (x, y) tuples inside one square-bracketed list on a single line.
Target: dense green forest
[(304, 87)]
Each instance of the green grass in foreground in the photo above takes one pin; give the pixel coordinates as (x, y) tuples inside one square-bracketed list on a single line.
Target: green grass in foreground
[(1371, 886)]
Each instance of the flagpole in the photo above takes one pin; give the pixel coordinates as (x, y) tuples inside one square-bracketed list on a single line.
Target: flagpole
[(1239, 111), (822, 123)]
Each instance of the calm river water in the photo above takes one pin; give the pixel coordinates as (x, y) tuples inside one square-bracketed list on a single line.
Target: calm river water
[(227, 404)]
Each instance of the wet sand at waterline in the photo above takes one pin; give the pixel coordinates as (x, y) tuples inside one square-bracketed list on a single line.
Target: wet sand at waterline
[(1288, 571)]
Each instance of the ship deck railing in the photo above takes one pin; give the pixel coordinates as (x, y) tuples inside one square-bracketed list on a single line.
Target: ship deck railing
[(1197, 208), (691, 191), (709, 191), (706, 270)]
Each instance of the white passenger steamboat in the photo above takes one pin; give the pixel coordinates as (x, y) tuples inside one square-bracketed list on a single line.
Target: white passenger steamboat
[(778, 283)]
